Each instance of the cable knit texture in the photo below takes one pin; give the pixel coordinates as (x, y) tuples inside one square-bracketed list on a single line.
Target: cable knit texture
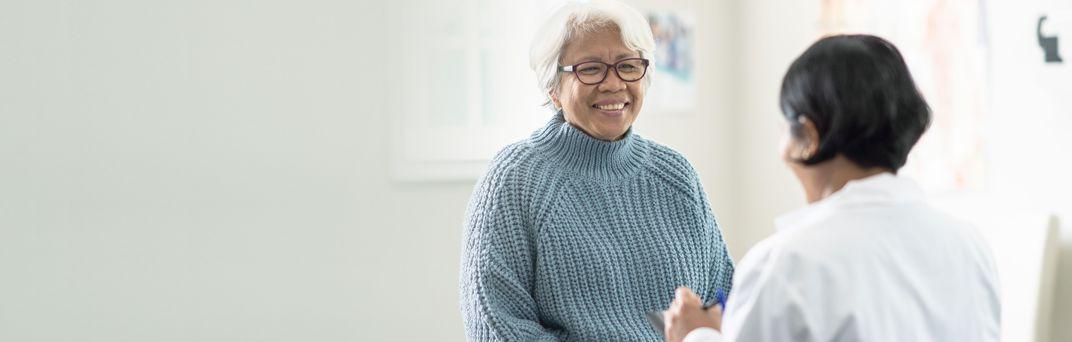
[(572, 238)]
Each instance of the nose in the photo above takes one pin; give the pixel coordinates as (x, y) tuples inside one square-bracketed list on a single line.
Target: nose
[(612, 83)]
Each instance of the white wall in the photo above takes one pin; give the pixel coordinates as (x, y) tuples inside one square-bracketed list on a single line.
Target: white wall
[(219, 170), (770, 36), (211, 171)]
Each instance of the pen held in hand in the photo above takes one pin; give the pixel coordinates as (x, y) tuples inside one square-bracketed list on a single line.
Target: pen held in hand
[(656, 317)]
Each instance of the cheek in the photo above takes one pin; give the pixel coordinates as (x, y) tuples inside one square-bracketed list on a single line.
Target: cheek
[(784, 147), (788, 157), (638, 93), (575, 98), (563, 93)]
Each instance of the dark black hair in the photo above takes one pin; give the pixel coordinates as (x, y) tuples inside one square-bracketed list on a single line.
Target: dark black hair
[(861, 97)]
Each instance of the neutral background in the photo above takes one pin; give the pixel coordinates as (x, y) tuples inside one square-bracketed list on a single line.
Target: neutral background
[(219, 170)]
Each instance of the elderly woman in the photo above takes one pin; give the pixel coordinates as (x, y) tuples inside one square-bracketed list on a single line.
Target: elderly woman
[(867, 259), (579, 230)]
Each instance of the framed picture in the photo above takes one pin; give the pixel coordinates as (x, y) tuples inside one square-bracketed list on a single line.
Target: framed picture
[(466, 87)]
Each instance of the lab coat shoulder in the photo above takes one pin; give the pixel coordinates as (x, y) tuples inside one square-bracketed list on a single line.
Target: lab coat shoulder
[(769, 302), (797, 254)]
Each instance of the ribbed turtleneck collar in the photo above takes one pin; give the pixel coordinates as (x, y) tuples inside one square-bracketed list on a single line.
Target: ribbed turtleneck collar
[(598, 159)]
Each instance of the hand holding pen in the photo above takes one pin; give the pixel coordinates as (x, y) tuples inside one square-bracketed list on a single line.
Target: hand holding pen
[(687, 313)]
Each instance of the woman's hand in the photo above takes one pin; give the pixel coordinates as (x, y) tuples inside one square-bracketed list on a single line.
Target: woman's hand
[(687, 313)]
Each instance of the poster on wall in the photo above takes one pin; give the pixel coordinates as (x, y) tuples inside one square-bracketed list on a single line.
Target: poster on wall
[(674, 72), (996, 75), (465, 88), (947, 47)]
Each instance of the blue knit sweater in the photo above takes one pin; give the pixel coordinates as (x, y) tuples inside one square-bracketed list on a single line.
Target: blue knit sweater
[(572, 238)]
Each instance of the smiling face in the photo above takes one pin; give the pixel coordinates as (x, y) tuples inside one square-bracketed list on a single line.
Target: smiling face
[(606, 110)]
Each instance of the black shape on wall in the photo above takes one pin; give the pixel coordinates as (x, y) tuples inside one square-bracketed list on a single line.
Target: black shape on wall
[(1048, 44)]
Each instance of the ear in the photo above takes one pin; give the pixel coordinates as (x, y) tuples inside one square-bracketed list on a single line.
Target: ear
[(554, 99), (810, 137)]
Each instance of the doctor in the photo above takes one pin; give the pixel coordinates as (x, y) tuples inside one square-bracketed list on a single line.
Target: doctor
[(868, 259)]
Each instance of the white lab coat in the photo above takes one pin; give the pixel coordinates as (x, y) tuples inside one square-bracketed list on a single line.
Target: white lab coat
[(872, 262)]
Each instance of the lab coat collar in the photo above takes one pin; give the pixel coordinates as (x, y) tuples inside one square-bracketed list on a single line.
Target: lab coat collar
[(883, 188)]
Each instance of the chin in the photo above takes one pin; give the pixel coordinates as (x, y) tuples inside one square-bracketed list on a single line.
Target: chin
[(613, 133), (618, 124)]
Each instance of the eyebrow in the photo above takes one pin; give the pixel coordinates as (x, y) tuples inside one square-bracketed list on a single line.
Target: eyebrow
[(619, 57)]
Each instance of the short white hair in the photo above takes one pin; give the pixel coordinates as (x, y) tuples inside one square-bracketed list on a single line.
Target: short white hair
[(576, 18)]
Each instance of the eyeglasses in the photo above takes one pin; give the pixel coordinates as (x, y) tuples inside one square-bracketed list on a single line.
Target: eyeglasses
[(591, 73)]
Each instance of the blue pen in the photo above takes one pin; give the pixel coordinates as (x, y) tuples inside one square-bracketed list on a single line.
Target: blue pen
[(720, 299), (656, 317)]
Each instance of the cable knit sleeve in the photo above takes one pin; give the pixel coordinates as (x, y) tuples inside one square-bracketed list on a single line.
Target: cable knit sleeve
[(497, 262), (722, 267)]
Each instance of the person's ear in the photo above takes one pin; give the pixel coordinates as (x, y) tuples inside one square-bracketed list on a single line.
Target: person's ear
[(554, 99), (810, 135)]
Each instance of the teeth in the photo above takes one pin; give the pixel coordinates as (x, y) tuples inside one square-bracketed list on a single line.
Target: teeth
[(616, 106)]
